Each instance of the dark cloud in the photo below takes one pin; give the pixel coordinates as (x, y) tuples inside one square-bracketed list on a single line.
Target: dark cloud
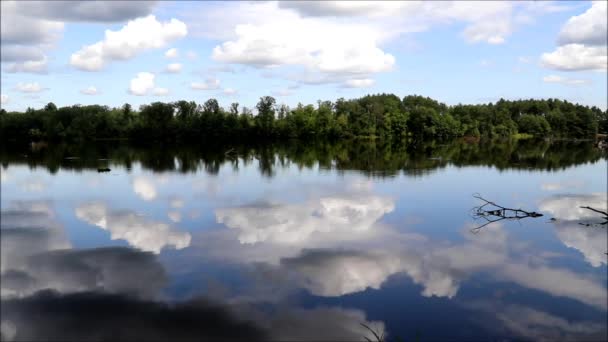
[(87, 11), (93, 316)]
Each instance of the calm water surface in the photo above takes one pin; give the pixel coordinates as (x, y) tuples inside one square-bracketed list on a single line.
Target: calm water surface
[(303, 242)]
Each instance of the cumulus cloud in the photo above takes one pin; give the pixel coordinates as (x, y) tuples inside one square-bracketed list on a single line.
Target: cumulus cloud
[(136, 36), (86, 11), (317, 45), (30, 28), (568, 207), (91, 90), (582, 42), (338, 272), (344, 8), (110, 269), (142, 84), (171, 53), (138, 231), (32, 87), (589, 28), (559, 282), (359, 83), (144, 188), (35, 66), (24, 38), (174, 68), (293, 223), (589, 241), (576, 57), (4, 99), (209, 84), (28, 228)]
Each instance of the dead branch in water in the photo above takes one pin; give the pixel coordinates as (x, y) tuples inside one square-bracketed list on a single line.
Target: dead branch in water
[(492, 212), (599, 212)]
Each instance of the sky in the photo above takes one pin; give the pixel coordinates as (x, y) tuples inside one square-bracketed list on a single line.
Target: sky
[(111, 53)]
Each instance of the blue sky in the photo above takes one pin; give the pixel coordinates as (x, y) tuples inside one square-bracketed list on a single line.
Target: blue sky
[(457, 52)]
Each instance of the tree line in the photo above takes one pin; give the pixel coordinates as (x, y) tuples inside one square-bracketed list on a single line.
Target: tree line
[(384, 116)]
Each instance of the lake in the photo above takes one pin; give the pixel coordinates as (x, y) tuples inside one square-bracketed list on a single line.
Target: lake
[(308, 241)]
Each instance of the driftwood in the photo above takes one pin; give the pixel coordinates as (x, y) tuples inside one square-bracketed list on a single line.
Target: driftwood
[(492, 212), (104, 169), (604, 213)]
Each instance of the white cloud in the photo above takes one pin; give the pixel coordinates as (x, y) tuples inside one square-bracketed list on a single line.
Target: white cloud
[(135, 229), (142, 84), (295, 223), (209, 84), (565, 80), (33, 87), (558, 282), (91, 90), (283, 92), (160, 91), (332, 273), (172, 53), (4, 99), (174, 68), (135, 37), (31, 66), (590, 241), (345, 8), (359, 83), (576, 57), (589, 28), (318, 45), (568, 207), (229, 91), (582, 42), (144, 188)]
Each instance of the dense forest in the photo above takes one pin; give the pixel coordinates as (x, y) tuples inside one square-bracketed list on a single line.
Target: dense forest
[(383, 116)]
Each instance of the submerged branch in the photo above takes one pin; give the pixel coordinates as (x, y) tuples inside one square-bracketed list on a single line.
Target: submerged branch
[(492, 212), (605, 214)]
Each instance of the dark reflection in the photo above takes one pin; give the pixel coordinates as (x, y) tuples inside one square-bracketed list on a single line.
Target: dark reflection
[(377, 158), (95, 316)]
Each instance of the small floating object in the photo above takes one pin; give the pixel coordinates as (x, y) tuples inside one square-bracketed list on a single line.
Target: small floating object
[(103, 169)]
